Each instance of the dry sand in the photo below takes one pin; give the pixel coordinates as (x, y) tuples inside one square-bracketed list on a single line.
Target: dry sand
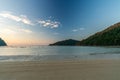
[(61, 70)]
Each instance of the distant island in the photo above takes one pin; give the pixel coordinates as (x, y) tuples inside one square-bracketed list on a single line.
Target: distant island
[(107, 37), (2, 42), (69, 42)]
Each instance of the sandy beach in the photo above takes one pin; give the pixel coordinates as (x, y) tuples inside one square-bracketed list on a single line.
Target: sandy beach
[(61, 70)]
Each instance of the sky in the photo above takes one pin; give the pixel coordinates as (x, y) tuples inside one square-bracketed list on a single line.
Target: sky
[(41, 22)]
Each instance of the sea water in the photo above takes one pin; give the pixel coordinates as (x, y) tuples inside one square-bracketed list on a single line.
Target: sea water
[(42, 53)]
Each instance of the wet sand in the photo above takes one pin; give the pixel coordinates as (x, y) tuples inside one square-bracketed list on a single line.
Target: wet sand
[(61, 70)]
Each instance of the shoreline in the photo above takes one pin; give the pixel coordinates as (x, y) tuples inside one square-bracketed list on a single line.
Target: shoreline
[(61, 70)]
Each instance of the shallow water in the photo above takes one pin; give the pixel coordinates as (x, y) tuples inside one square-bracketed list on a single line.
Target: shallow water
[(41, 53)]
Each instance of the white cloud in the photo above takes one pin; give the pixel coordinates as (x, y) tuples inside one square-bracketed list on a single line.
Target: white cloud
[(24, 19), (49, 23), (15, 31), (20, 18), (79, 29), (74, 30), (82, 29), (8, 31), (26, 31)]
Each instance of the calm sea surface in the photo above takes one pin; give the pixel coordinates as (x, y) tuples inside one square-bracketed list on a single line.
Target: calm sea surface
[(41, 53)]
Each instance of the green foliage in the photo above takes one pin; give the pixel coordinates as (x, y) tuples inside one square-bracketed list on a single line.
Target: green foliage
[(108, 37)]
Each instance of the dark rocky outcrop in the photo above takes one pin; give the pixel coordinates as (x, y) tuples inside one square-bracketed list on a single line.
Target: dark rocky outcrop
[(2, 42)]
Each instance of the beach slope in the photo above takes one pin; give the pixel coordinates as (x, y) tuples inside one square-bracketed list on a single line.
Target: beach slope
[(61, 70)]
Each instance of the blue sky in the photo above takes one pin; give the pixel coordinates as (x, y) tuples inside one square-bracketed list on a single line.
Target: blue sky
[(40, 22)]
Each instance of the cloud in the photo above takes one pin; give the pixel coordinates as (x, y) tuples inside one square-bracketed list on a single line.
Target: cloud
[(26, 31), (15, 31), (8, 31), (74, 30), (24, 19), (49, 23), (80, 29), (21, 18)]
